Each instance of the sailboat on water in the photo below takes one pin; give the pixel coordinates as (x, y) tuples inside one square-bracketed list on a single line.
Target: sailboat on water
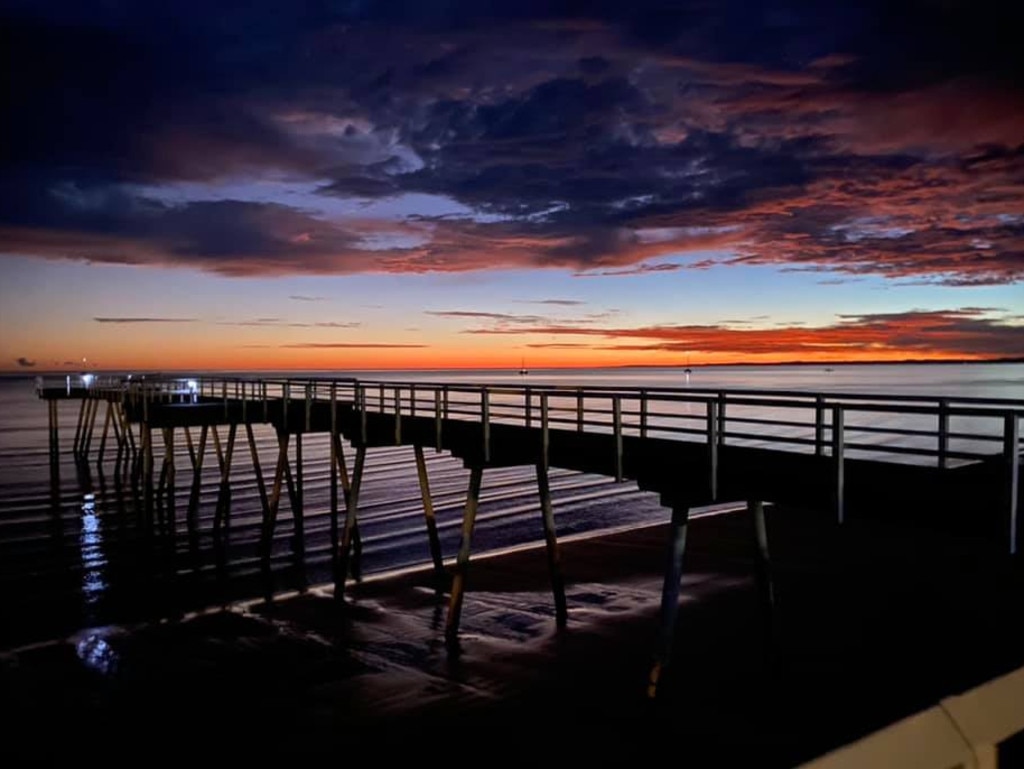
[(523, 371)]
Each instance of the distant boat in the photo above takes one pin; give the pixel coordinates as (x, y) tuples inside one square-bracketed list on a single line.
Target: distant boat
[(522, 368)]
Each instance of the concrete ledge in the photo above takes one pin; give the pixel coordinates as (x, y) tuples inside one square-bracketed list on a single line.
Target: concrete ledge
[(960, 731)]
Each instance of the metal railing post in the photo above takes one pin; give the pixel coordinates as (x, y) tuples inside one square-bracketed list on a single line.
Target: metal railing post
[(437, 418), (721, 419), (712, 441), (398, 414), (360, 398), (1011, 453), (943, 433), (485, 414), (309, 405), (617, 428), (286, 392), (819, 425), (544, 436), (838, 448)]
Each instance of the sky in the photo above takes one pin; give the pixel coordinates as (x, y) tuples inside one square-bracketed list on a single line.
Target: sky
[(349, 184)]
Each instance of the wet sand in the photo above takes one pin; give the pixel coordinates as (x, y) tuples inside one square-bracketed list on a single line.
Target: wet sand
[(872, 622)]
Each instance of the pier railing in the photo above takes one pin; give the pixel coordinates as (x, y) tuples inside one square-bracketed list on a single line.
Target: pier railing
[(942, 431)]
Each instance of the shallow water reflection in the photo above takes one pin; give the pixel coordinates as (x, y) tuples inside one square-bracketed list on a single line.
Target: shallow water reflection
[(94, 562)]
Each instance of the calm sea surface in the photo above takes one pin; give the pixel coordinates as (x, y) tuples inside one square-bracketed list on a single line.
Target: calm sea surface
[(79, 556)]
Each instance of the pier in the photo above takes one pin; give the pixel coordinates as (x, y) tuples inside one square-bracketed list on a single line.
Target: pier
[(947, 462)]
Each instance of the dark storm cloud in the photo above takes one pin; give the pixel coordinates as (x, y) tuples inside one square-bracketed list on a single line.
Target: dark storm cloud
[(881, 138)]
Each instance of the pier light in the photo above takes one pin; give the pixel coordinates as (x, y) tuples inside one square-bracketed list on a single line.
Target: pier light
[(192, 385), (87, 379)]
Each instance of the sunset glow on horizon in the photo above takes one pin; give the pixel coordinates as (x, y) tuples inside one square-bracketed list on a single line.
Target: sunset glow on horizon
[(261, 187)]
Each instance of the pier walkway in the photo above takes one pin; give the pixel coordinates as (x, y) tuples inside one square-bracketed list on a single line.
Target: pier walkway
[(952, 463)]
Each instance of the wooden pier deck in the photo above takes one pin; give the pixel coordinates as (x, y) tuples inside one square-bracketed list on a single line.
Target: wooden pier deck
[(952, 463)]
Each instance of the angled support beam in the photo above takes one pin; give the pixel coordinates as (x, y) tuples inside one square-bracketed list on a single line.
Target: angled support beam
[(335, 447), (127, 437), (762, 566), (352, 506), (93, 410), (669, 596), (257, 469), (551, 546), (106, 429), (162, 484), (224, 493), (428, 513), (191, 447), (346, 487), (115, 426), (147, 473), (54, 434), (197, 473), (270, 519), (451, 630), (75, 445), (298, 512), (218, 447), (169, 479)]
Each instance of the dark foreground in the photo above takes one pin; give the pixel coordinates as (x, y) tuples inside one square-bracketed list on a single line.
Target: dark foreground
[(872, 623)]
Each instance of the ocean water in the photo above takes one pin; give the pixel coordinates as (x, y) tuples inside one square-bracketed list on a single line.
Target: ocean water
[(77, 554)]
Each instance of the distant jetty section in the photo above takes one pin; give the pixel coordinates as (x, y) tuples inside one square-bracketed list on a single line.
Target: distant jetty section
[(948, 461)]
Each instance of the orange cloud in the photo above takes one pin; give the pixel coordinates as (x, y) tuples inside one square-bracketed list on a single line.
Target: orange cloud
[(944, 334)]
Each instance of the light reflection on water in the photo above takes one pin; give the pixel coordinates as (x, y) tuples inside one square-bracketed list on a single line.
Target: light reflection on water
[(93, 648), (94, 582), (97, 654)]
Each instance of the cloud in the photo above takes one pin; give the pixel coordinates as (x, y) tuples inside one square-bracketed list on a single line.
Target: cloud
[(300, 298), (279, 323), (556, 302), (145, 320), (500, 317), (503, 320), (640, 269), (25, 362), (852, 139), (969, 332), (349, 346)]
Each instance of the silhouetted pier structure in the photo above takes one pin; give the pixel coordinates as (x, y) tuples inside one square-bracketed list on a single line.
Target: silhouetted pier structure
[(953, 461)]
